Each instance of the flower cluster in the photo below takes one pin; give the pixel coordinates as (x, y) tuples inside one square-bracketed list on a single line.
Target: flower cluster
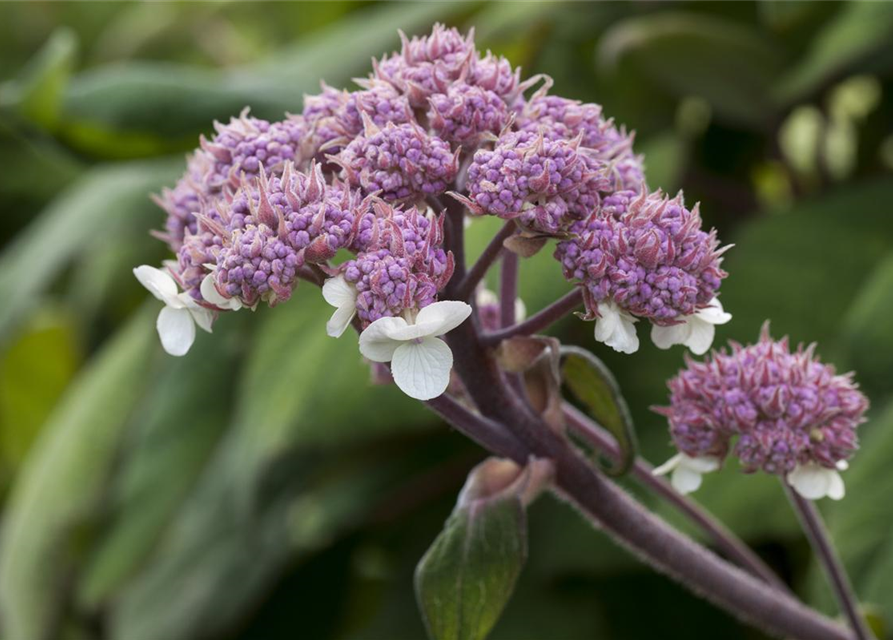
[(263, 204), (778, 411), (647, 257)]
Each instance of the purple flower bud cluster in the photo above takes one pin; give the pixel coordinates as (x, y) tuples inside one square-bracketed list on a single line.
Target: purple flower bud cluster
[(465, 113), (544, 182), (772, 408), (404, 266), (239, 148), (290, 221), (400, 163), (651, 257)]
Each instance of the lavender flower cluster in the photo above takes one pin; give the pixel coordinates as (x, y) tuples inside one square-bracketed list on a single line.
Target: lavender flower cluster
[(264, 204), (773, 408), (647, 253)]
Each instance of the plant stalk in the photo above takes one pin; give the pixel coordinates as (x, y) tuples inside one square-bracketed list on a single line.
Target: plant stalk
[(814, 526), (538, 321)]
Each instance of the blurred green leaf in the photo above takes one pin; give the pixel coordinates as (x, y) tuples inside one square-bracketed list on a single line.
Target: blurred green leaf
[(37, 93), (693, 54), (54, 502), (277, 487), (593, 384), (467, 576), (91, 211), (167, 449), (34, 372), (155, 107), (859, 30), (866, 334)]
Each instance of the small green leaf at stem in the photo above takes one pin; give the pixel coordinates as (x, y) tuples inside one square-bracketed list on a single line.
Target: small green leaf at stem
[(594, 386), (467, 576)]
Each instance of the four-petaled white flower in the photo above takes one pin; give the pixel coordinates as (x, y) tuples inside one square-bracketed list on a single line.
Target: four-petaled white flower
[(420, 360), (343, 296), (813, 481), (177, 320), (695, 331), (616, 328), (687, 471)]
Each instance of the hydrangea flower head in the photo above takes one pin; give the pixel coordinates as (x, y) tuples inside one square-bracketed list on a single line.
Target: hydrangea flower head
[(647, 257), (778, 411), (400, 163), (542, 181)]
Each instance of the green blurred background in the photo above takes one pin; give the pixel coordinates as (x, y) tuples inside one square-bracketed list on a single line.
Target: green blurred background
[(261, 488)]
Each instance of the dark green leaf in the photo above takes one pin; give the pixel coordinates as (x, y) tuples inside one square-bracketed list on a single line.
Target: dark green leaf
[(594, 385), (467, 576), (693, 54)]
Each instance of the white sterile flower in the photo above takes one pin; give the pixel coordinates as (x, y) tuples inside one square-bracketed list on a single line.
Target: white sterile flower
[(687, 471), (813, 481), (616, 328), (695, 331), (420, 361), (177, 320), (343, 297), (212, 296)]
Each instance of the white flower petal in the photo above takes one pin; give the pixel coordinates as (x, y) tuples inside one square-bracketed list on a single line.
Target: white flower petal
[(422, 369), (443, 316), (615, 328), (204, 318), (836, 488), (377, 342), (813, 481), (713, 313), (159, 283), (685, 479), (340, 320), (339, 293), (668, 466), (666, 337), (176, 329), (701, 335), (212, 296), (520, 310), (701, 464)]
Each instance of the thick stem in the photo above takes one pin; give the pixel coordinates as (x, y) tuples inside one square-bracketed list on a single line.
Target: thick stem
[(725, 540), (508, 288), (538, 321), (477, 272), (821, 543)]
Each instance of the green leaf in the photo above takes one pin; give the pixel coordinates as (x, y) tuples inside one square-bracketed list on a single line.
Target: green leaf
[(54, 502), (595, 386), (37, 93), (692, 54), (280, 484), (168, 447), (858, 31), (34, 372), (93, 210), (866, 334), (467, 576), (145, 108)]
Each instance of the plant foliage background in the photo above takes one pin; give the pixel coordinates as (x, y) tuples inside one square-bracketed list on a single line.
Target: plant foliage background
[(261, 487)]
